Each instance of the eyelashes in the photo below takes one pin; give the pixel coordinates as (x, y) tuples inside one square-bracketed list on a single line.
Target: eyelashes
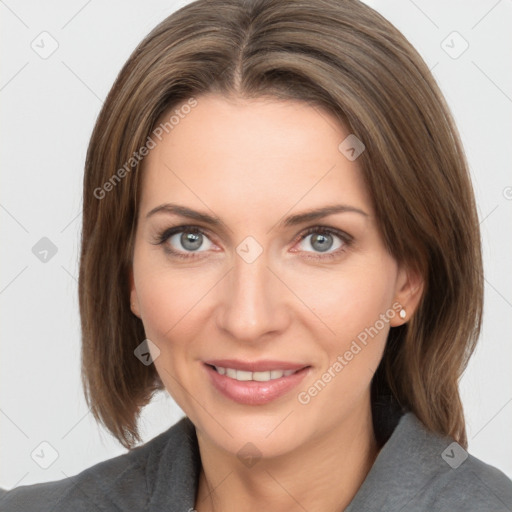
[(201, 235)]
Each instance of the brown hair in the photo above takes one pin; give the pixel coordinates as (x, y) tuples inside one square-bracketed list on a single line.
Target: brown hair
[(339, 55)]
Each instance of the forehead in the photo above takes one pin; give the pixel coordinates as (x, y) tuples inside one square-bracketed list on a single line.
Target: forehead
[(251, 154)]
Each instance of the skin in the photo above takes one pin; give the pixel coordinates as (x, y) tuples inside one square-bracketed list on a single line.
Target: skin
[(251, 163)]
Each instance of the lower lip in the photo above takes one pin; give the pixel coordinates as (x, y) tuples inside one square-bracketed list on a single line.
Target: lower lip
[(254, 392)]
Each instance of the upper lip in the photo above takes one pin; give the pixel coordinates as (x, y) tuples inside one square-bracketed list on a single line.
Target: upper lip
[(256, 366)]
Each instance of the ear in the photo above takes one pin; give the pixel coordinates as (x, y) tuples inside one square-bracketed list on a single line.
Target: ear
[(409, 290), (134, 301)]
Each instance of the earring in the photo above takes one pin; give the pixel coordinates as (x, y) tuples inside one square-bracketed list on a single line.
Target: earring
[(402, 313)]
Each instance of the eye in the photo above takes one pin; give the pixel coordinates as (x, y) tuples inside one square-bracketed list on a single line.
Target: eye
[(184, 241), (323, 239)]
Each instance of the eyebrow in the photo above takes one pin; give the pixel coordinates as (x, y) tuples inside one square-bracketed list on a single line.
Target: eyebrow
[(292, 220)]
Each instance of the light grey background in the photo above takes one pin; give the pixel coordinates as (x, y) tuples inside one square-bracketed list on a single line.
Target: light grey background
[(49, 106)]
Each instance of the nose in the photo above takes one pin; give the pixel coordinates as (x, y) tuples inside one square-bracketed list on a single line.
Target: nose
[(252, 301)]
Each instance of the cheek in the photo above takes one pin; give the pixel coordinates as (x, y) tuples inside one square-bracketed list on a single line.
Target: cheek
[(165, 302), (158, 292), (356, 308), (172, 300), (349, 301), (169, 304)]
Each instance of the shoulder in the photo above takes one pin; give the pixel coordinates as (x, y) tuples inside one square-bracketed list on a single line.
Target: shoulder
[(418, 470), (121, 483), (472, 486), (447, 477), (96, 488)]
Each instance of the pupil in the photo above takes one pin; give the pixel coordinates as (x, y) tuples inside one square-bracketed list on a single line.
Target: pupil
[(191, 241), (323, 246)]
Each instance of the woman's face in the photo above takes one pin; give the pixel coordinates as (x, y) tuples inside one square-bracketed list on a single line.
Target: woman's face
[(265, 288)]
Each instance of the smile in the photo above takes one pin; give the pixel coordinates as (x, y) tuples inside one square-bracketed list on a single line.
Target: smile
[(243, 375), (254, 383)]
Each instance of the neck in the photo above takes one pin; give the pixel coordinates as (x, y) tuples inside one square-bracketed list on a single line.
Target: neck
[(324, 474)]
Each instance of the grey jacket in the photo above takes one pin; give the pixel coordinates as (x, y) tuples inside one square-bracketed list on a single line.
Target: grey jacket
[(415, 471)]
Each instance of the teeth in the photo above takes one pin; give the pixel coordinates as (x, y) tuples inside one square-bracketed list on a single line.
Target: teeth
[(243, 375), (264, 376)]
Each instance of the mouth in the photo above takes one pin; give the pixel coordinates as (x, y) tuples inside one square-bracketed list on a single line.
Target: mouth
[(255, 383), (245, 376)]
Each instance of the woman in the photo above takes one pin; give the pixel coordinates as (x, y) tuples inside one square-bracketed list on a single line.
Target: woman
[(279, 229)]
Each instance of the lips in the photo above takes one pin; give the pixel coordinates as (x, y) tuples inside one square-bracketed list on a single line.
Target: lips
[(256, 382)]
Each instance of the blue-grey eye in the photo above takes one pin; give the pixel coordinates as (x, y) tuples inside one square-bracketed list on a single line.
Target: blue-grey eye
[(188, 241), (322, 242)]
